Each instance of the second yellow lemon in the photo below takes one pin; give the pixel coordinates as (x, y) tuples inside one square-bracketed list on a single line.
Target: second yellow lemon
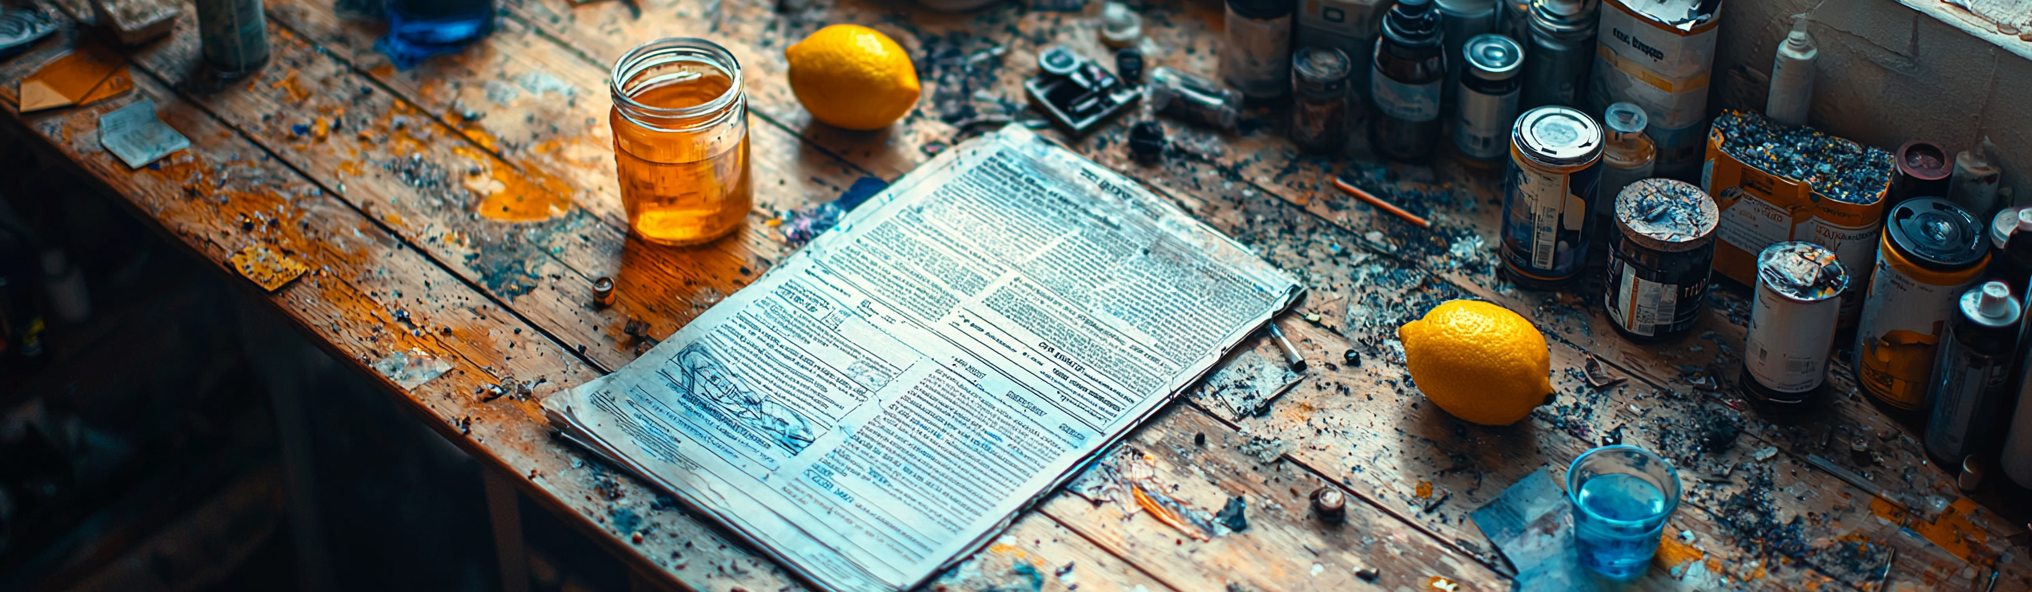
[(1478, 361), (853, 77)]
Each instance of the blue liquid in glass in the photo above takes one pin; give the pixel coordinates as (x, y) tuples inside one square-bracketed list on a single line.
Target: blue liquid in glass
[(1617, 528), (418, 29)]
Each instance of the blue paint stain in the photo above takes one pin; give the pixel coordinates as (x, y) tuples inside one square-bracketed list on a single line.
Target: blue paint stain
[(301, 129), (625, 520), (1025, 569), (1234, 515), (806, 224)]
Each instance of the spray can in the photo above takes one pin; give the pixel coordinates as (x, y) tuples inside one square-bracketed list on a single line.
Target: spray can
[(234, 35), (1487, 98), (1792, 77), (1257, 56), (1560, 51), (1555, 166), (1659, 259), (1659, 54), (1973, 372), (1460, 21), (1792, 324), (1930, 253), (1974, 183)]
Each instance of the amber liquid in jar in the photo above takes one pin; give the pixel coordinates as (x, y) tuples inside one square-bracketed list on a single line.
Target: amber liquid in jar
[(681, 141)]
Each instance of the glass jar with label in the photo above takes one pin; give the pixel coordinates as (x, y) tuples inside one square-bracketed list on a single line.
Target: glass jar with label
[(1408, 70), (680, 122), (1257, 56), (1319, 113)]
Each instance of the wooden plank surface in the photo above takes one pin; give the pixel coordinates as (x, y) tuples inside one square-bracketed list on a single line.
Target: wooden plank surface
[(397, 198)]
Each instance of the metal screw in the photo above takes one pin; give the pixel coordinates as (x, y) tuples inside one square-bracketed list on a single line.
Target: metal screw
[(1330, 505), (603, 292)]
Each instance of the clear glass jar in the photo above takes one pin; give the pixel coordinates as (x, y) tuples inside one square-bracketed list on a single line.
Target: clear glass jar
[(680, 123)]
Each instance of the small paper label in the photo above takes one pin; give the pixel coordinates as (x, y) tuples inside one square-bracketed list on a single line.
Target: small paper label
[(136, 136)]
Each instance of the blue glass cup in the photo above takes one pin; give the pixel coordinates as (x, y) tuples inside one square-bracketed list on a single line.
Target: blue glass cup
[(1622, 496)]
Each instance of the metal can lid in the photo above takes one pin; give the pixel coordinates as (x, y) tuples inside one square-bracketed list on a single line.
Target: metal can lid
[(1565, 16), (1921, 159), (1559, 136), (1493, 57), (1320, 69), (1936, 234), (1058, 60), (1667, 215), (1991, 305), (1625, 118), (1801, 271)]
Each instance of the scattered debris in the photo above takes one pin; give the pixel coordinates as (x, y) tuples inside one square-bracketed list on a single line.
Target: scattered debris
[(1598, 375), (1264, 450), (134, 134), (1367, 574), (412, 368), (1765, 453), (1247, 385), (267, 268), (1234, 515)]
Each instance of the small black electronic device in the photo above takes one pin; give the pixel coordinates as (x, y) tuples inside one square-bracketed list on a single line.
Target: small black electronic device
[(1076, 93)]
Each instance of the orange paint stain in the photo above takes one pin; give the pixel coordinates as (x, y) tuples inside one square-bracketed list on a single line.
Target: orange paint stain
[(289, 85), (1164, 514), (1952, 530), (511, 196), (351, 167), (1424, 489), (1672, 553), (1443, 584)]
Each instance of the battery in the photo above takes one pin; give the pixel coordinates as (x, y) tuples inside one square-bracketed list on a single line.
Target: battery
[(1555, 166), (1659, 259), (1792, 324), (1487, 97), (1973, 373), (1930, 253)]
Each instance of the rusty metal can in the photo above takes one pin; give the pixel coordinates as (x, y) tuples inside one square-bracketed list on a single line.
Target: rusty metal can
[(1555, 166), (1659, 259), (1973, 372), (1930, 253), (1792, 324)]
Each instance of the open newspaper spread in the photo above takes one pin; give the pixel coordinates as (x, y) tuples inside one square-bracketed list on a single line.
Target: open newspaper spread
[(886, 400)]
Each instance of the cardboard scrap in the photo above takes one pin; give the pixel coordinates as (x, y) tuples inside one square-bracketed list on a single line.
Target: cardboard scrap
[(86, 75), (134, 134), (268, 268)]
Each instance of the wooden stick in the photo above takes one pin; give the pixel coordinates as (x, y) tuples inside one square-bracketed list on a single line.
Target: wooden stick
[(1380, 204)]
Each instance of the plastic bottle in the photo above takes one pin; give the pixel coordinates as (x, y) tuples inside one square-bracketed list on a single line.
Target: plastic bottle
[(2014, 265), (1792, 77), (1409, 69)]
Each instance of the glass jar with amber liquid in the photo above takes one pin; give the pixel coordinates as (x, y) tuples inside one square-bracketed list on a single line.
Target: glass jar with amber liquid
[(680, 124)]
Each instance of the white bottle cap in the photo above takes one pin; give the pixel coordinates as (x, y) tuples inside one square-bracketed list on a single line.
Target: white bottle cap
[(2025, 220), (1120, 26), (1996, 302)]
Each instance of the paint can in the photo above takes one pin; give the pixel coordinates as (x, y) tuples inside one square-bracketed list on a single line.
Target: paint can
[(1792, 324), (1659, 55), (1659, 259), (1923, 171), (1930, 253), (1555, 166), (1973, 372), (1487, 97)]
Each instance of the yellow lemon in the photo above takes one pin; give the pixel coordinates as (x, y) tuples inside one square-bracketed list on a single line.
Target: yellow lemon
[(1478, 361), (853, 77)]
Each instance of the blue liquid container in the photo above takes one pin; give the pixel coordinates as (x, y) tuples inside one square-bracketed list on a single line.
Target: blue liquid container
[(418, 29), (1622, 497)]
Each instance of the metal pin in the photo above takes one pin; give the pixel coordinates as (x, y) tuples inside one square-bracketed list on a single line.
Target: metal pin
[(1291, 354)]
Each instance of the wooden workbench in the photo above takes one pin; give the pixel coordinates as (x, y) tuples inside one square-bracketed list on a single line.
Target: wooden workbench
[(463, 209)]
